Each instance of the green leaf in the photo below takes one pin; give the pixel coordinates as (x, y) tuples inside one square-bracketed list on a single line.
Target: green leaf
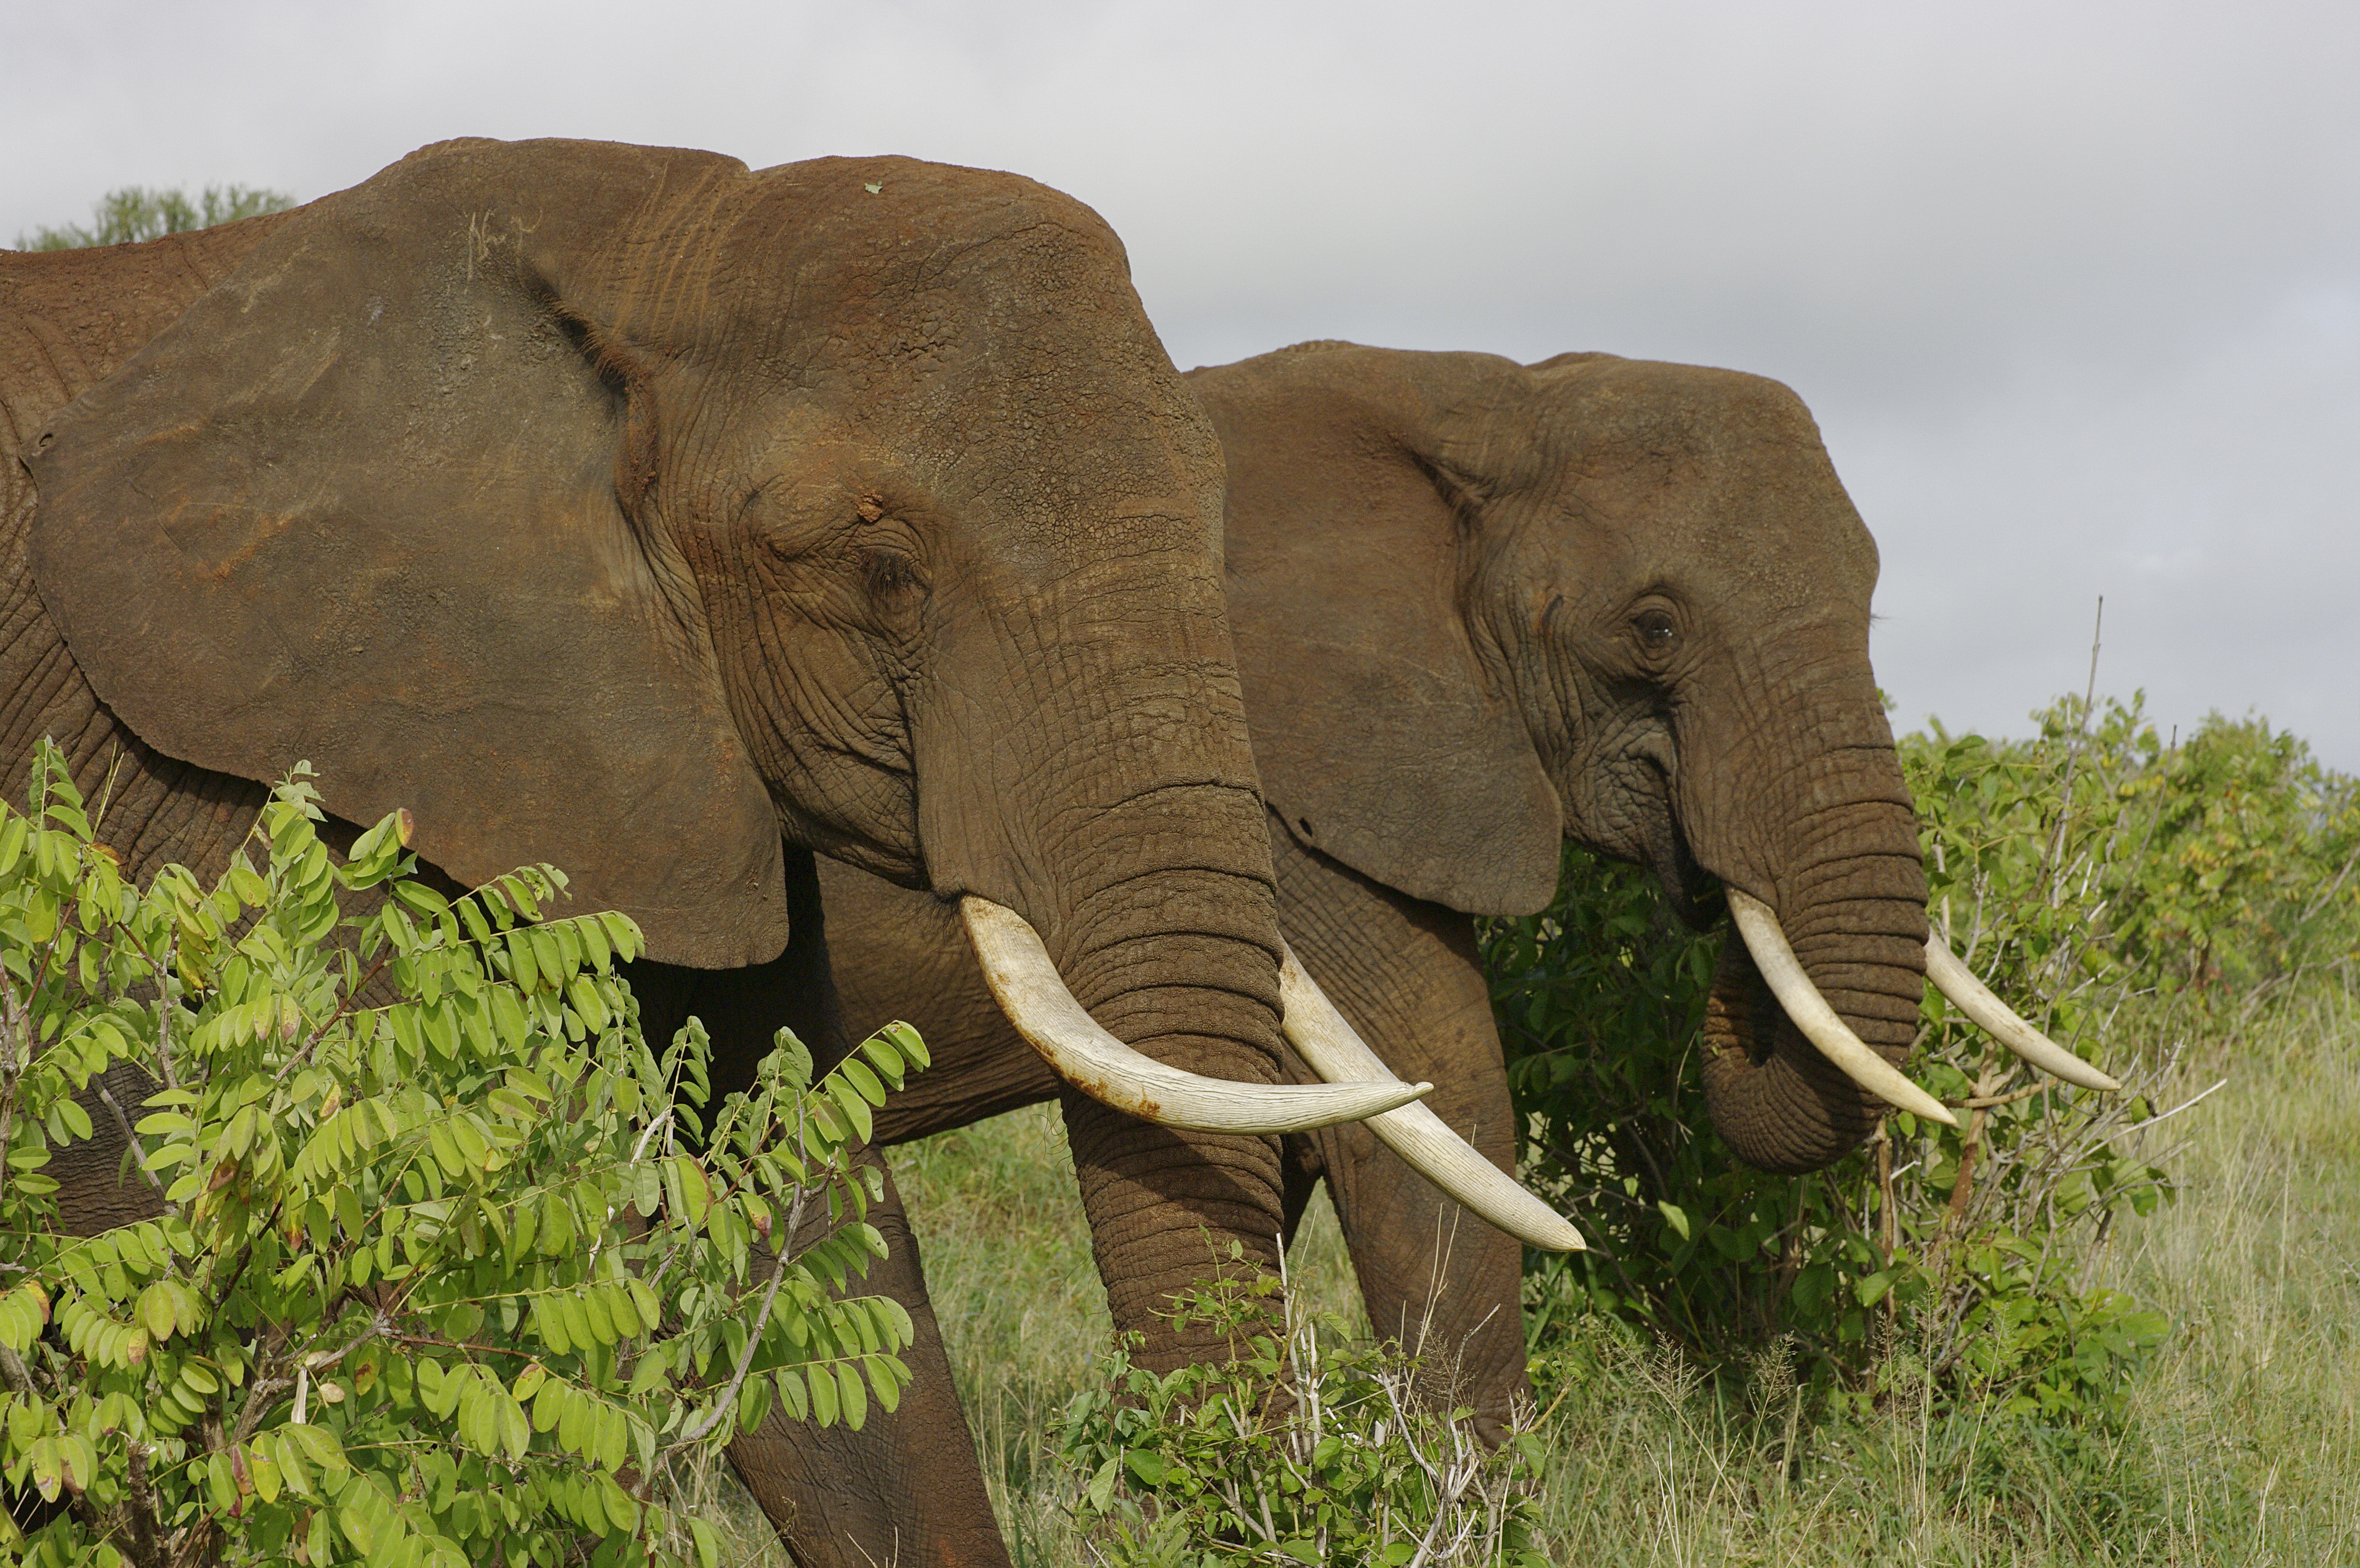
[(907, 1041), (854, 1398), (523, 964), (795, 1059), (792, 1395), (1100, 1491), (848, 1099), (858, 1072), (691, 1195), (160, 1310), (588, 1004)]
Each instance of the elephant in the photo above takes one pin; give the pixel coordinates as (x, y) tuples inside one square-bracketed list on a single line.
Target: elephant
[(678, 523), (1482, 608)]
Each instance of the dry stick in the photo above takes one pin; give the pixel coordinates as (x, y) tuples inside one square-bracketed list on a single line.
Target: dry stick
[(142, 1503), (13, 1373), (1888, 1225), (138, 1153), (1970, 1149), (729, 1400), (2072, 756), (165, 1004)]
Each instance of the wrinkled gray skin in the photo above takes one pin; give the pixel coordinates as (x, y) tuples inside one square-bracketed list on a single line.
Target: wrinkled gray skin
[(624, 508), (1480, 608)]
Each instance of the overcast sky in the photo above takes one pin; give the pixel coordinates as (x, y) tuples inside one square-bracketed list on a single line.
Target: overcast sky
[(2074, 289)]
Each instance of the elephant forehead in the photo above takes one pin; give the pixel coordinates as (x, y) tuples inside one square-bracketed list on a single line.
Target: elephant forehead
[(981, 325), (1729, 491), (849, 246)]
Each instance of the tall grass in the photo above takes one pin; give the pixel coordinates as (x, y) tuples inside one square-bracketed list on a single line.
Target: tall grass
[(2242, 1443)]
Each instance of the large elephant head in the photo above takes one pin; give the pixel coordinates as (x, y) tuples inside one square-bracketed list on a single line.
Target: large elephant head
[(621, 508), (1621, 602)]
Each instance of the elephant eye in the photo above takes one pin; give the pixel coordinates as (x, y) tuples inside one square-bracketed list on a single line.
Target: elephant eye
[(888, 574), (1656, 628)]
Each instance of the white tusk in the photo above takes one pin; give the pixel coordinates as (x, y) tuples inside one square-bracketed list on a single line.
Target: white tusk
[(1027, 986), (1818, 1021), (1971, 997), (1326, 1041)]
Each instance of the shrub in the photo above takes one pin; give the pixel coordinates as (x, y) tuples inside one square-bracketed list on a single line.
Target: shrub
[(1300, 1449), (2076, 871), (444, 1261)]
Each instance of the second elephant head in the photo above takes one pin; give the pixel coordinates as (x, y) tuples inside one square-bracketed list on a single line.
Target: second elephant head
[(1614, 601)]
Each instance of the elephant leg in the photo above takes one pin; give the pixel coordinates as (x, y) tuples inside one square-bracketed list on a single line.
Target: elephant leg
[(905, 1487), (1405, 971)]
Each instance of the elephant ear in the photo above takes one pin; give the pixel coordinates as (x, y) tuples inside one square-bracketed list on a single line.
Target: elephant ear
[(364, 504), (1381, 738)]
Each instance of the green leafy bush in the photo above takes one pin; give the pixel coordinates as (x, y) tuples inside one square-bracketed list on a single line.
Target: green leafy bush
[(1300, 1449), (136, 212), (2078, 872), (2220, 866), (443, 1265)]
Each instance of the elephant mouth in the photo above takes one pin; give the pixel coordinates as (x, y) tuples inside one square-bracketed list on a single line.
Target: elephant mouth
[(1789, 1081), (1741, 1015), (1693, 892)]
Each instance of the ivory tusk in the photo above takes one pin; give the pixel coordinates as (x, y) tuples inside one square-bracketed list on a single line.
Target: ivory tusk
[(1028, 988), (1329, 1044), (1816, 1019), (1971, 997)]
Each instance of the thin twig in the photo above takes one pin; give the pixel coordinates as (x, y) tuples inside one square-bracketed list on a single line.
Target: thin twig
[(2072, 756), (2166, 1117), (786, 1237), (728, 1403)]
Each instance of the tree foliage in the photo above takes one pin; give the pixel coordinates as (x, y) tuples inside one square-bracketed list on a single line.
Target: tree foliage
[(2077, 870), (136, 212), (443, 1259)]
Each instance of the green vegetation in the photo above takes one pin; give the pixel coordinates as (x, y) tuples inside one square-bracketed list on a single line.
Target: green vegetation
[(2093, 868), (1306, 1448), (2088, 1437), (136, 212), (438, 1262)]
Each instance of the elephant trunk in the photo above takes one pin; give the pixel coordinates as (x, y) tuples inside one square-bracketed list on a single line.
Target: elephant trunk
[(1129, 832), (1174, 961), (1841, 869)]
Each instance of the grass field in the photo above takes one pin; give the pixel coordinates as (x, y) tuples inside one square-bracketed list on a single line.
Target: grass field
[(2242, 1446)]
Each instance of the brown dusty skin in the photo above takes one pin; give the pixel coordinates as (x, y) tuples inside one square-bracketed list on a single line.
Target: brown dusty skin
[(1440, 571), (630, 510)]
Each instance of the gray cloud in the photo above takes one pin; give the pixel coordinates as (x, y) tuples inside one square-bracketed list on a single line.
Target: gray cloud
[(2074, 288)]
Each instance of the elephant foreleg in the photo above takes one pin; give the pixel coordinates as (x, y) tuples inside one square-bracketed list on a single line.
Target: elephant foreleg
[(905, 1487), (1443, 1282)]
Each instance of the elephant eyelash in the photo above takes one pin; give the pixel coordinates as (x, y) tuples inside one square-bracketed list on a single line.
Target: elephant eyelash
[(888, 574), (1657, 632)]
